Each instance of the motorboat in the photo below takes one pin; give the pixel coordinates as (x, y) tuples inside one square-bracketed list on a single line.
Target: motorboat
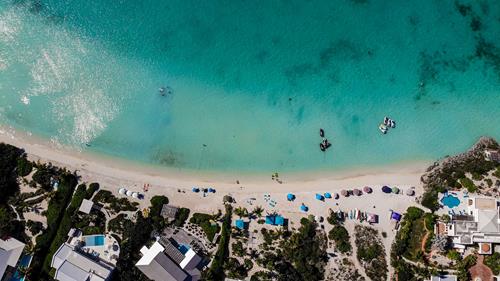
[(392, 123), (321, 133), (387, 121), (383, 128)]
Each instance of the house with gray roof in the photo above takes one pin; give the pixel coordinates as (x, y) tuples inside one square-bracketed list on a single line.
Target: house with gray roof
[(165, 260), (10, 251), (479, 225), (72, 264), (169, 212)]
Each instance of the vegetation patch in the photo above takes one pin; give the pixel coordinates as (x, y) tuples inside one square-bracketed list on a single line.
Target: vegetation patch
[(493, 262), (207, 223), (115, 204), (216, 271), (370, 252)]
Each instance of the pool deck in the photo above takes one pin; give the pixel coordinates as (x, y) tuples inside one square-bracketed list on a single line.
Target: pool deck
[(462, 206), (109, 252)]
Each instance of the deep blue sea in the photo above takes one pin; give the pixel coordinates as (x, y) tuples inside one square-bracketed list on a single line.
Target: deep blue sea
[(251, 82)]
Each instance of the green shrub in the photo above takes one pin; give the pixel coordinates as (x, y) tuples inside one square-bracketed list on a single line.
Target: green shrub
[(181, 217), (93, 187), (24, 167), (35, 227), (493, 262), (469, 184), (430, 200), (340, 235)]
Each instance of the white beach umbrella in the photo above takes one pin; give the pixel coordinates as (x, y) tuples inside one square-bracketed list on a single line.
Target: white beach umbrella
[(122, 190), (129, 193), (135, 195)]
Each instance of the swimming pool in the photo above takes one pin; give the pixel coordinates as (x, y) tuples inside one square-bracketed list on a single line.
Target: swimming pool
[(183, 248), (25, 261), (94, 240), (450, 201)]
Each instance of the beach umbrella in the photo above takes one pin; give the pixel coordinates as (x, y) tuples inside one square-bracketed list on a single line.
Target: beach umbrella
[(122, 191), (395, 190), (386, 189), (290, 197), (367, 189), (304, 208), (336, 196), (328, 195), (357, 192), (135, 195), (129, 193), (211, 190), (319, 197), (195, 189), (344, 193), (410, 192)]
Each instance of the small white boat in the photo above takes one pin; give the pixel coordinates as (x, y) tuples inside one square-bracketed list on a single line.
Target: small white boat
[(386, 121), (383, 128), (392, 123)]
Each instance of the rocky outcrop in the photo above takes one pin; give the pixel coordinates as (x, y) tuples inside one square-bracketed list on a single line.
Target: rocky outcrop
[(439, 172)]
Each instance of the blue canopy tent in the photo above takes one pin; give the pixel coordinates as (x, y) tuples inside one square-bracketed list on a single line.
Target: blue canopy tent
[(211, 190), (195, 189), (320, 197), (275, 220), (396, 216), (240, 224), (290, 197), (386, 189), (304, 208), (328, 195)]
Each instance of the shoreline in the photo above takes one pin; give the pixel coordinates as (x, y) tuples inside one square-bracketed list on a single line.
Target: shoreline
[(44, 150)]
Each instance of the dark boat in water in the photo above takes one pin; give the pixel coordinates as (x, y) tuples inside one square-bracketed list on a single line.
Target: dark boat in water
[(321, 133)]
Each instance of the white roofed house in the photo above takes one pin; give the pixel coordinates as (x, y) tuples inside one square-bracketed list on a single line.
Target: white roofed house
[(167, 261), (492, 155), (480, 225), (10, 251)]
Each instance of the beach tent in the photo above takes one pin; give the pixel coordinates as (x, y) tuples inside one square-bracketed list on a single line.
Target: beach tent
[(395, 216), (328, 195), (395, 190), (304, 208), (195, 189), (344, 193), (336, 196), (122, 191), (135, 195), (372, 218), (320, 197), (275, 220), (410, 192), (386, 189), (357, 192), (129, 193), (290, 197), (211, 190), (367, 189)]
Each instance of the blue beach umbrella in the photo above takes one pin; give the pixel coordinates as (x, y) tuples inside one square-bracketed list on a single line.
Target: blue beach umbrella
[(290, 197), (211, 190), (304, 208), (320, 197), (195, 189), (328, 195)]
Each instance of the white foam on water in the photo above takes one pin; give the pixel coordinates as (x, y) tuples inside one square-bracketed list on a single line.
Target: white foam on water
[(84, 114), (25, 100), (10, 25)]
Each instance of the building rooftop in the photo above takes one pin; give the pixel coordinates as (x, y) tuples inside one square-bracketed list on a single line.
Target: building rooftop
[(168, 211), (71, 264), (10, 251), (86, 206), (444, 278)]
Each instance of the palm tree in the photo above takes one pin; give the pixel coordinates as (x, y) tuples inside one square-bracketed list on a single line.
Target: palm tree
[(258, 211), (241, 212)]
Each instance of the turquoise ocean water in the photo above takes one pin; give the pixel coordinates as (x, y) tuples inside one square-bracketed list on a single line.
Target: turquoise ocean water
[(253, 81)]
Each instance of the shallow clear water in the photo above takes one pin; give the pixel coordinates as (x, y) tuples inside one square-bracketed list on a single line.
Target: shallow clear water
[(253, 81)]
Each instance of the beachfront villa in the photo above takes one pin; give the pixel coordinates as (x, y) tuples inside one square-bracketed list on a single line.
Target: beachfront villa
[(444, 277), (166, 260), (492, 155), (10, 251), (85, 257), (479, 225)]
